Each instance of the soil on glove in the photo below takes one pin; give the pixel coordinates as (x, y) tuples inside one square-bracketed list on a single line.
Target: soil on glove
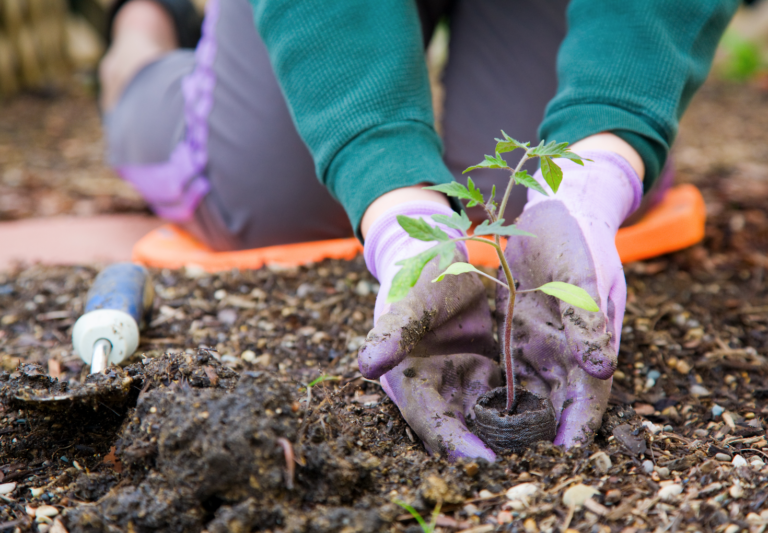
[(224, 434)]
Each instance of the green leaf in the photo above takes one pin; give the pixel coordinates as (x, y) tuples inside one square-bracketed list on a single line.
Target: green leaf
[(456, 221), (497, 228), (570, 294), (426, 528), (418, 228), (553, 149), (455, 269), (490, 162), (552, 173), (523, 178), (508, 144), (407, 276), (322, 378), (457, 190)]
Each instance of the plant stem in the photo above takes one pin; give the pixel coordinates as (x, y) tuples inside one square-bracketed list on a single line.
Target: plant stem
[(503, 206), (506, 339)]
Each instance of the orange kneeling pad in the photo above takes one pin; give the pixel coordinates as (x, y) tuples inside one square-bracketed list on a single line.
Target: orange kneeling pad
[(675, 223)]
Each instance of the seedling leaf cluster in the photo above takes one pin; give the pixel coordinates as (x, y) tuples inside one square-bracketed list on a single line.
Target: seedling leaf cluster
[(490, 232)]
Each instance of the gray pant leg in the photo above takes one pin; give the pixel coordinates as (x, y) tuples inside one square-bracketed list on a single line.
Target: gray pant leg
[(263, 182), (148, 121), (500, 76), (263, 188)]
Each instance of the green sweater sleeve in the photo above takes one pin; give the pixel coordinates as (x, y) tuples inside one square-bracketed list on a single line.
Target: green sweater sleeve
[(355, 79), (631, 68)]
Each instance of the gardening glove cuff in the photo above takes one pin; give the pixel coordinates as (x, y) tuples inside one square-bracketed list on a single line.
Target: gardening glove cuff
[(605, 190), (387, 243)]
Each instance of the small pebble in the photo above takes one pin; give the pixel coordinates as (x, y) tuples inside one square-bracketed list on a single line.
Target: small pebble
[(717, 410), (738, 460), (668, 428), (648, 466), (522, 491), (249, 356), (576, 495), (7, 488), (683, 367), (363, 288), (757, 463), (733, 528), (736, 491), (504, 517), (43, 528), (227, 316), (698, 390), (749, 416), (701, 433), (663, 472), (613, 496), (670, 492), (530, 526), (46, 510), (723, 457), (602, 462), (654, 374), (485, 494), (650, 426), (671, 412), (37, 492), (471, 469), (355, 343)]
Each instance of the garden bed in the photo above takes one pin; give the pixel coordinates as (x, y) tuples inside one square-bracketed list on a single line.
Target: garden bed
[(198, 443)]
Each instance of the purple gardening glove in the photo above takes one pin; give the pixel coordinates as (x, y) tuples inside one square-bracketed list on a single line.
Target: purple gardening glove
[(432, 349), (561, 351)]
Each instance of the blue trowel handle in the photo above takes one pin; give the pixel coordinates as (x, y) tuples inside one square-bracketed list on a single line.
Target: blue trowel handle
[(117, 308), (122, 287)]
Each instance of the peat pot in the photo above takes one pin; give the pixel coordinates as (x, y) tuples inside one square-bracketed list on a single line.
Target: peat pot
[(533, 419)]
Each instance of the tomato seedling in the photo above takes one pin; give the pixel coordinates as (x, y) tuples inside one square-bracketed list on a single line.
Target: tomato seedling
[(490, 232)]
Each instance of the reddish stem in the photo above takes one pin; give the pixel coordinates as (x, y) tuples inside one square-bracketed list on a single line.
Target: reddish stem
[(506, 340), (509, 362)]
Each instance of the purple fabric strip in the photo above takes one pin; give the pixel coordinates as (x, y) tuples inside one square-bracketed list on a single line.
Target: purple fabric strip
[(175, 188)]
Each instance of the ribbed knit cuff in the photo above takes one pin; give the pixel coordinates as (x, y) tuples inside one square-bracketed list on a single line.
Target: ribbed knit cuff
[(573, 123), (383, 159)]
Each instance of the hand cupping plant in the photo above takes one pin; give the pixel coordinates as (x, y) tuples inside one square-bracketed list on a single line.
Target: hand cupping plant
[(490, 232)]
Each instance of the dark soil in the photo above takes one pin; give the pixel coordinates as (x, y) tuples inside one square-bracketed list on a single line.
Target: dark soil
[(205, 436)]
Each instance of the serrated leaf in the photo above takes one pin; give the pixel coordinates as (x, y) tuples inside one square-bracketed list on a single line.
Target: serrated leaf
[(407, 276), (418, 228), (523, 178), (477, 196), (490, 162), (455, 269), (411, 269), (571, 294), (497, 228), (552, 173), (508, 144), (459, 221), (553, 149), (574, 157), (457, 190)]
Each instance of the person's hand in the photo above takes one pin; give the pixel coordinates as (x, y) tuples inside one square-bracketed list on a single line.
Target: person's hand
[(561, 351), (432, 350)]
